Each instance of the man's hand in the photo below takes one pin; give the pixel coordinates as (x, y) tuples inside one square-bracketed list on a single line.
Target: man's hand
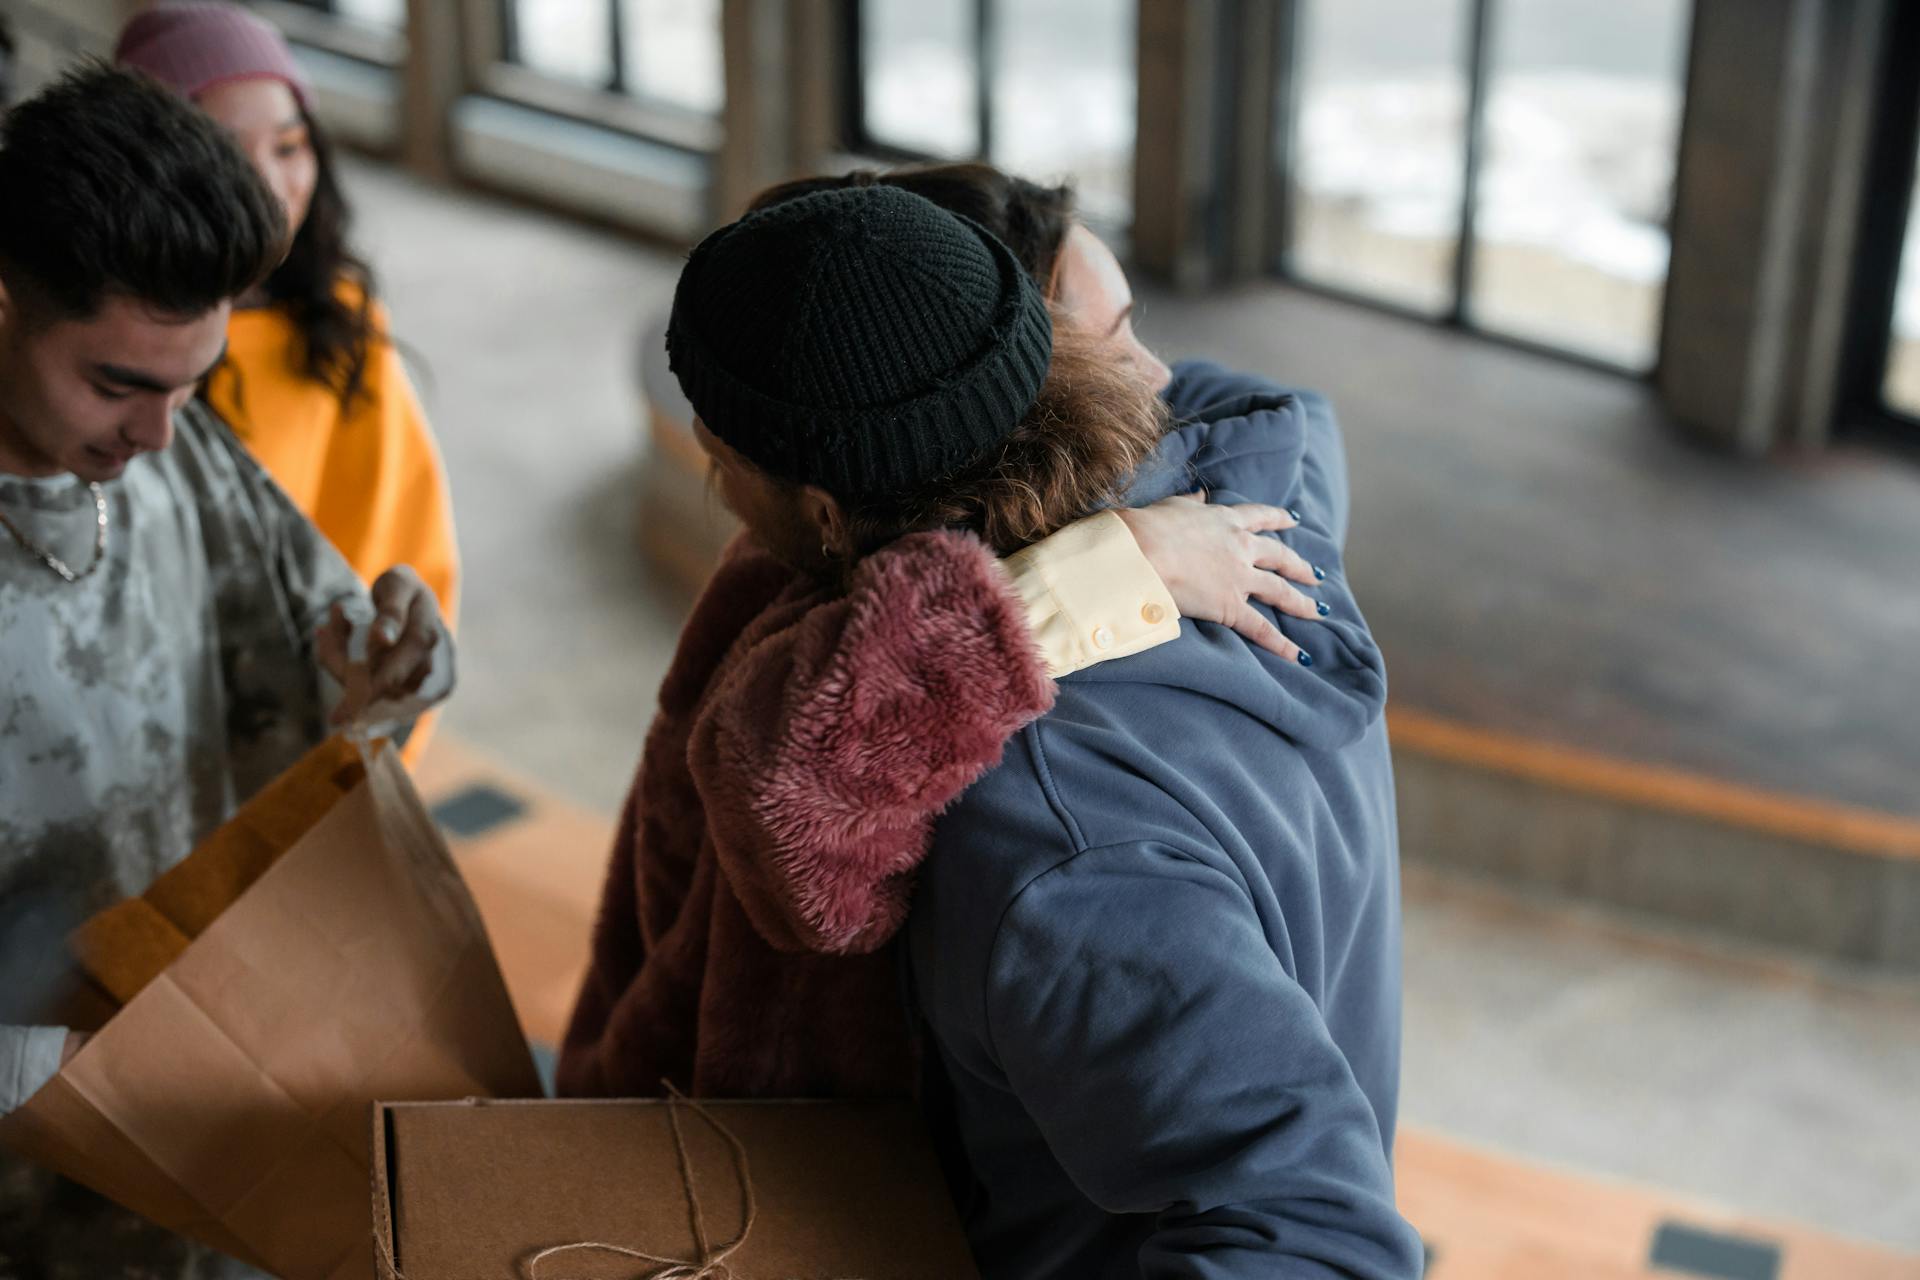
[(400, 644), (1214, 560)]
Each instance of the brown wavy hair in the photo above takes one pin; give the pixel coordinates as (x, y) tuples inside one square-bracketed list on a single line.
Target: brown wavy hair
[(1095, 423)]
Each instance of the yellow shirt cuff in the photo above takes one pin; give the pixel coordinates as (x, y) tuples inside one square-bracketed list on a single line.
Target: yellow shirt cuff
[(1091, 595)]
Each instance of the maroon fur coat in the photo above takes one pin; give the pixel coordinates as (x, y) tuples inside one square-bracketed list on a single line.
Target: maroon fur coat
[(805, 742)]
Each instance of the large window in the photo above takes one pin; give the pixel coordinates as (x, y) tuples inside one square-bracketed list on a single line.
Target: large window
[(1046, 91), (369, 30), (1378, 119), (384, 15), (380, 15), (1505, 164), (920, 76), (661, 51)]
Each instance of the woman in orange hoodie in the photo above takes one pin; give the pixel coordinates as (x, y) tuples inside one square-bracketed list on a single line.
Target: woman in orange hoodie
[(312, 383)]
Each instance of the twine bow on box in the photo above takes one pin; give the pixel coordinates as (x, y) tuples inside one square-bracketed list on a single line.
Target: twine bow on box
[(711, 1261)]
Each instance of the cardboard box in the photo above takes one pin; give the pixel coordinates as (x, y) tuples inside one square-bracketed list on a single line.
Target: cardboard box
[(840, 1190)]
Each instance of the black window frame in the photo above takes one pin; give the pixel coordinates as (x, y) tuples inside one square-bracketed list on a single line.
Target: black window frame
[(1876, 273), (858, 142), (1458, 316), (853, 125)]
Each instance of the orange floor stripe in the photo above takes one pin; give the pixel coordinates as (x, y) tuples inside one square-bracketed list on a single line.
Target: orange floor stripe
[(1819, 822)]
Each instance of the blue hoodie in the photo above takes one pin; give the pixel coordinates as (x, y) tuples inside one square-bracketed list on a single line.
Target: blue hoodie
[(1158, 947)]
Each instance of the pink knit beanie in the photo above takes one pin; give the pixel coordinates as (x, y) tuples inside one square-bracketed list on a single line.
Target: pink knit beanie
[(192, 47)]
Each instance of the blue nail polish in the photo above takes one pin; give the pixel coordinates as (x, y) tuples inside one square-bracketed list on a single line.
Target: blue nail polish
[(1306, 659), (1319, 574), (1321, 605), (1297, 517)]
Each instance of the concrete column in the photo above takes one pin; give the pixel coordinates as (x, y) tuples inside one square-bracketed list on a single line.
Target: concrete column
[(818, 68), (1255, 184), (1772, 173), (432, 80), (1175, 171), (783, 90), (1206, 176)]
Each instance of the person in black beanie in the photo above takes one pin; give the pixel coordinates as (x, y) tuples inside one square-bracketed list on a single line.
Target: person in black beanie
[(889, 404), (863, 363), (862, 342), (1153, 934)]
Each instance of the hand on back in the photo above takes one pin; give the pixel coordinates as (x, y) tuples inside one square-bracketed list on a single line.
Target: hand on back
[(1215, 560)]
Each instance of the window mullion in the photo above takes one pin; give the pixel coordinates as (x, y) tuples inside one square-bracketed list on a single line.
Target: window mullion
[(617, 46), (509, 31), (1479, 57), (983, 41)]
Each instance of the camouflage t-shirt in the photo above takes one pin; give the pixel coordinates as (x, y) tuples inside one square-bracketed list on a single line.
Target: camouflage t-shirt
[(139, 707)]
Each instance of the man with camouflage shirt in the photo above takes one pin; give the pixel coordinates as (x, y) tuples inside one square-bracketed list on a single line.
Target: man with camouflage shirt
[(173, 632)]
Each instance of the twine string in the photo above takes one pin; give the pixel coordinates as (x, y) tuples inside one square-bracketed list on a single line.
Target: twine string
[(708, 1262)]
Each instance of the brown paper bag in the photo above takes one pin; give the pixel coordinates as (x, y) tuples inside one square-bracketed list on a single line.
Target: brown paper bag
[(122, 949), (228, 1099), (843, 1190)]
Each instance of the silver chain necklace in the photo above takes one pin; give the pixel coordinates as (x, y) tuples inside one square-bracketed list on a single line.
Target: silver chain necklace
[(54, 562)]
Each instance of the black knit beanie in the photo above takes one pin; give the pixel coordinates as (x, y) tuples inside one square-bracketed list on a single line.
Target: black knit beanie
[(862, 340)]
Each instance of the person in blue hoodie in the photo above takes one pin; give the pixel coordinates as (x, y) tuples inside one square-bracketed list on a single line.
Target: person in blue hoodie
[(1188, 868), (1157, 947)]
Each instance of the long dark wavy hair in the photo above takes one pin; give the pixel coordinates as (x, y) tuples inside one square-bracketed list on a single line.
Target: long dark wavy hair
[(337, 332)]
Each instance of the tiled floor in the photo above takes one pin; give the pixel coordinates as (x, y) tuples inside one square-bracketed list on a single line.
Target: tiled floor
[(1745, 1077), (1539, 1090)]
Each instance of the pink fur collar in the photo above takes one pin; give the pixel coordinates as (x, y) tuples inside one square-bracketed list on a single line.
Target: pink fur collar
[(838, 729), (806, 741)]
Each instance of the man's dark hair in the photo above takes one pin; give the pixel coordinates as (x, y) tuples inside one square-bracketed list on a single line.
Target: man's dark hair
[(116, 186)]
